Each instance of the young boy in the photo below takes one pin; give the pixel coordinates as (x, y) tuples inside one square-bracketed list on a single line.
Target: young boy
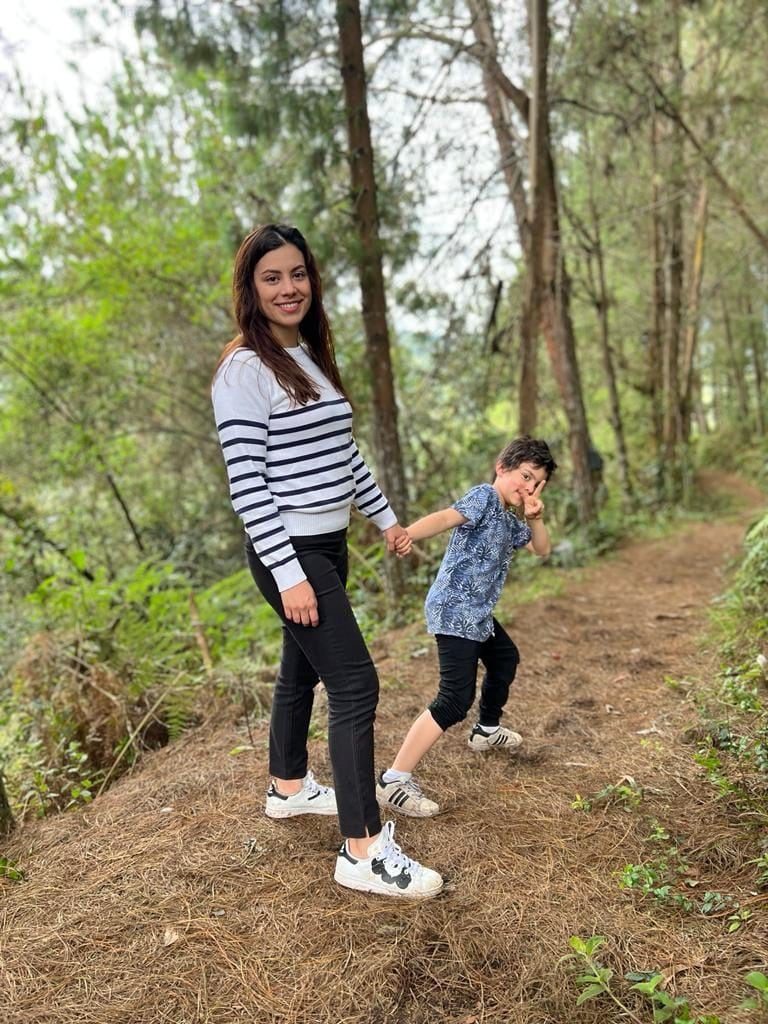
[(489, 524)]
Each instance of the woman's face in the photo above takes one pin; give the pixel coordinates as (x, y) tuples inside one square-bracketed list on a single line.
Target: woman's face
[(283, 291)]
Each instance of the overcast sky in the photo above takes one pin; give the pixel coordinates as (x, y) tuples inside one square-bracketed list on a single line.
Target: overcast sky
[(41, 38)]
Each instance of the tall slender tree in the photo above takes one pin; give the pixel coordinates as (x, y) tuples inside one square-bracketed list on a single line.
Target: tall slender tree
[(549, 283), (370, 270)]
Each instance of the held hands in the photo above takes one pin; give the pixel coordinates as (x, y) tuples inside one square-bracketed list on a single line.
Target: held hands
[(533, 506), (300, 604), (398, 541)]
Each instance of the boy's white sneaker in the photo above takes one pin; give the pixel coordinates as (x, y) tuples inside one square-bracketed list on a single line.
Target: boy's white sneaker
[(387, 870), (312, 798), (405, 798), (501, 739)]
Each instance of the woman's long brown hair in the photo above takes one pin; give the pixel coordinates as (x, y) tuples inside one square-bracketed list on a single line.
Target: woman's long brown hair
[(255, 333)]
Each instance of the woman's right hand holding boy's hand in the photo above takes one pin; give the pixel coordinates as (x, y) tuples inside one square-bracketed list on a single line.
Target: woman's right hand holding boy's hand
[(300, 604), (403, 545)]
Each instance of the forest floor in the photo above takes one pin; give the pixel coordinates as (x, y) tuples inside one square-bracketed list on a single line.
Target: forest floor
[(173, 899)]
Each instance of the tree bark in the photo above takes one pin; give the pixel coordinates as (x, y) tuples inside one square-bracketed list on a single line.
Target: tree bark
[(673, 427), (548, 284), (7, 824), (388, 454), (736, 360), (757, 336), (658, 298), (601, 300), (694, 307)]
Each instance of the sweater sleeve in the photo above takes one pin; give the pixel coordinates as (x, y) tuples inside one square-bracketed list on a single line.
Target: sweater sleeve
[(368, 498), (241, 405)]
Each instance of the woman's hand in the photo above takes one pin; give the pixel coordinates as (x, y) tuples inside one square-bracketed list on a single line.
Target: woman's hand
[(398, 541), (300, 604), (533, 506)]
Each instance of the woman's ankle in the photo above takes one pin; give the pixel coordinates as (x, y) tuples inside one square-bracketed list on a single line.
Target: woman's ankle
[(359, 847), (287, 787)]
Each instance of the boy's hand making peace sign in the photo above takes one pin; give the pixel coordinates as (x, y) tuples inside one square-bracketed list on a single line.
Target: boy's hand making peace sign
[(533, 506)]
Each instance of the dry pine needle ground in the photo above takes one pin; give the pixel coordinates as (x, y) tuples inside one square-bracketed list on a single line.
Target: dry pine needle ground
[(173, 899)]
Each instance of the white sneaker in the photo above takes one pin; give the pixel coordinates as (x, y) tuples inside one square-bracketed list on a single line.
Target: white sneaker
[(387, 870), (405, 798), (502, 739), (312, 798)]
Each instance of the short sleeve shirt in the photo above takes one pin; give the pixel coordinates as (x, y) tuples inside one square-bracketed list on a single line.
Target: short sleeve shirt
[(461, 600)]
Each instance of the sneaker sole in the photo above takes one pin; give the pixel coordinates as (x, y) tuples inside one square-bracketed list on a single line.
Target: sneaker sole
[(508, 748), (296, 814), (404, 811), (382, 889)]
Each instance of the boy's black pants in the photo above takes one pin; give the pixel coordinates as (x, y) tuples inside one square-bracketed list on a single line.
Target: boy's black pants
[(459, 659), (335, 652)]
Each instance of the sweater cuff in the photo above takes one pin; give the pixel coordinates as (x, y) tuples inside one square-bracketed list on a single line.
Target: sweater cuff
[(288, 575), (384, 519)]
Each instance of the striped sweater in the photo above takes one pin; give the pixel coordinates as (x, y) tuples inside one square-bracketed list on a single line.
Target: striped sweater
[(294, 470)]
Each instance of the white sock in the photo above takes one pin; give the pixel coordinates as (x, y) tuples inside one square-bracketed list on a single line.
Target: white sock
[(488, 730), (393, 775)]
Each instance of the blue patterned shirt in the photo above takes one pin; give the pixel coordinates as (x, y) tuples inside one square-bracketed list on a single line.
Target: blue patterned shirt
[(461, 600)]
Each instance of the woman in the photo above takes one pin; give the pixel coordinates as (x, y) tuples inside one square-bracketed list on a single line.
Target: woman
[(284, 422)]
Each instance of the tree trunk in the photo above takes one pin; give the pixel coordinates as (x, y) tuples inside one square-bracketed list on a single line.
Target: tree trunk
[(388, 455), (694, 308), (614, 404), (736, 360), (7, 823), (673, 427), (555, 282), (547, 285), (658, 300), (511, 166), (757, 336)]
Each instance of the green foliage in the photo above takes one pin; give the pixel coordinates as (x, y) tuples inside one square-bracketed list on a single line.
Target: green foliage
[(9, 870), (735, 755), (759, 1001), (115, 667), (667, 881), (599, 980), (625, 794)]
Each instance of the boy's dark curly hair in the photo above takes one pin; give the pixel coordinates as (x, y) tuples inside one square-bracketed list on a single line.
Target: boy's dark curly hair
[(527, 449)]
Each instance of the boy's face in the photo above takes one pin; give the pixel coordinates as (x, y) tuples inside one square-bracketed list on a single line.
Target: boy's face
[(514, 484)]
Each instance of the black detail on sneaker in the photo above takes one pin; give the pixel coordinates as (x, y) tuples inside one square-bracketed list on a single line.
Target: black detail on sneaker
[(344, 852), (315, 795), (273, 791), (402, 881), (398, 798)]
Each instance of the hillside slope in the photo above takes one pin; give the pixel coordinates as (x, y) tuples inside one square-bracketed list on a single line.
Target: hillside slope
[(173, 899)]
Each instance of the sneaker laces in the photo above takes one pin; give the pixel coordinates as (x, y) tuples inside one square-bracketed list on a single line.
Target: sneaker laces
[(311, 787), (412, 786), (391, 853)]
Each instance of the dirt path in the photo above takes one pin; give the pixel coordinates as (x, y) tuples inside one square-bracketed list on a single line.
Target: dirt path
[(149, 907)]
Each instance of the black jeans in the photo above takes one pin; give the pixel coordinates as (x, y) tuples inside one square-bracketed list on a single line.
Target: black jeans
[(335, 652), (458, 676)]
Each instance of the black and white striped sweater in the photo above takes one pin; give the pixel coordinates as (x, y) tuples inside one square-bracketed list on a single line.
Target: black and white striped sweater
[(294, 470)]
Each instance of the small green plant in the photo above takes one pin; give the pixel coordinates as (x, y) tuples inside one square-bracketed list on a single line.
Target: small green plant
[(737, 919), (9, 870), (658, 834), (64, 785), (626, 794), (656, 880), (759, 1001), (597, 981), (761, 863), (714, 902)]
